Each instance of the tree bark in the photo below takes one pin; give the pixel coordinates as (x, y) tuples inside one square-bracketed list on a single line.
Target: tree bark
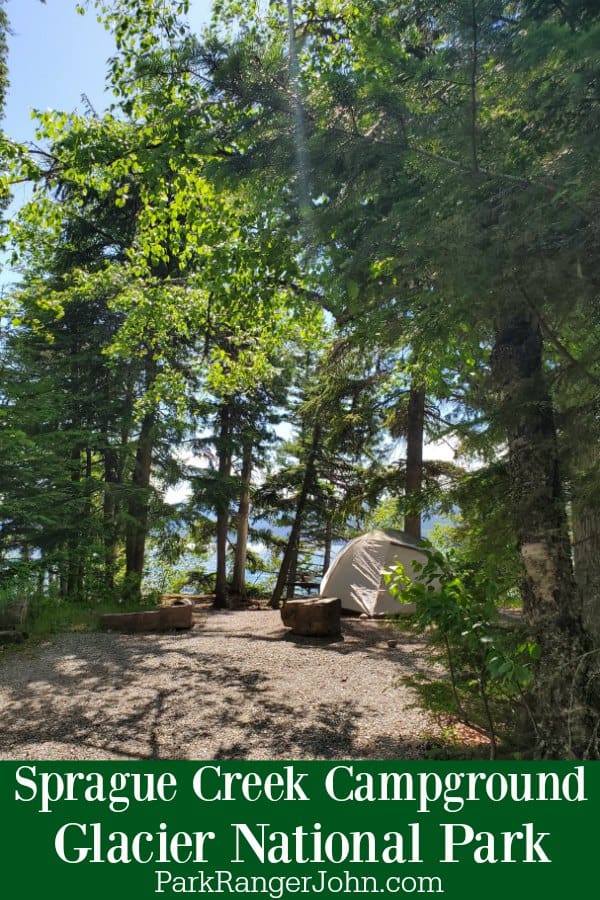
[(414, 460), (137, 511), (238, 579), (75, 566), (562, 702), (292, 574), (294, 536), (109, 524), (222, 504), (586, 546), (328, 543)]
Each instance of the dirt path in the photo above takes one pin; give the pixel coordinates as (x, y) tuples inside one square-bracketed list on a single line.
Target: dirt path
[(235, 687)]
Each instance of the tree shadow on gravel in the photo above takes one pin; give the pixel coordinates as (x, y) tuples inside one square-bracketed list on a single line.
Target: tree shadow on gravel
[(357, 636), (96, 696)]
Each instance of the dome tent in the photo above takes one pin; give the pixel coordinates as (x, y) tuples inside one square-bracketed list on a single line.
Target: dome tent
[(356, 573)]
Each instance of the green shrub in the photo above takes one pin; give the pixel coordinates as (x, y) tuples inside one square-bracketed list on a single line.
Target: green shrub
[(455, 603)]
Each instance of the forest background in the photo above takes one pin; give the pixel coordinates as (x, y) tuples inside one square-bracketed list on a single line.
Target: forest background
[(300, 244)]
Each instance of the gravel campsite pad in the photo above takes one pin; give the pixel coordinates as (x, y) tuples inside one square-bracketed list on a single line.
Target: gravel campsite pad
[(237, 686)]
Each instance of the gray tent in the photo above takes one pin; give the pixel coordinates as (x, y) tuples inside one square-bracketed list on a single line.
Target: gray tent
[(355, 575)]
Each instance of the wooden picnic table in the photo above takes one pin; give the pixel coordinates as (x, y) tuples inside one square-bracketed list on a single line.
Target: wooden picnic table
[(305, 585)]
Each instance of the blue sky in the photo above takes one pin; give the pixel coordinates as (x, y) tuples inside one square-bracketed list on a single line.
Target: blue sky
[(55, 55)]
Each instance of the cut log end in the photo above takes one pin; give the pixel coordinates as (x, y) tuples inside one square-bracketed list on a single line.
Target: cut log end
[(14, 614), (313, 617)]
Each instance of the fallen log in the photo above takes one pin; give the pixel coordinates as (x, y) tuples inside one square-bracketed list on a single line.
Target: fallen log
[(178, 617), (11, 636)]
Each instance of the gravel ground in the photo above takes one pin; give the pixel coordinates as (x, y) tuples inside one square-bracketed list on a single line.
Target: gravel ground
[(237, 686)]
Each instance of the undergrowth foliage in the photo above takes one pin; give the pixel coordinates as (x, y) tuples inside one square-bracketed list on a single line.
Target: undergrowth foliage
[(456, 607)]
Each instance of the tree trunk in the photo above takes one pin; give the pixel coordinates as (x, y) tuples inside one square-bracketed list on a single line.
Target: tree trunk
[(109, 524), (222, 505), (294, 536), (292, 574), (63, 571), (328, 543), (562, 703), (238, 580), (137, 511), (83, 557), (75, 565), (414, 461), (586, 546)]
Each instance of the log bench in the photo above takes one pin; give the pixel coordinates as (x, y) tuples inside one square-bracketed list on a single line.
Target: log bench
[(313, 616), (12, 636), (12, 618), (14, 614), (178, 616)]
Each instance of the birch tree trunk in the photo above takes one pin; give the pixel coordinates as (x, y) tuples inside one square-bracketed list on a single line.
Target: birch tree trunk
[(586, 546), (563, 705)]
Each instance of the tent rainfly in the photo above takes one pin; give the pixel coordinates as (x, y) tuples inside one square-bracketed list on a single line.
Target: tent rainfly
[(356, 573)]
